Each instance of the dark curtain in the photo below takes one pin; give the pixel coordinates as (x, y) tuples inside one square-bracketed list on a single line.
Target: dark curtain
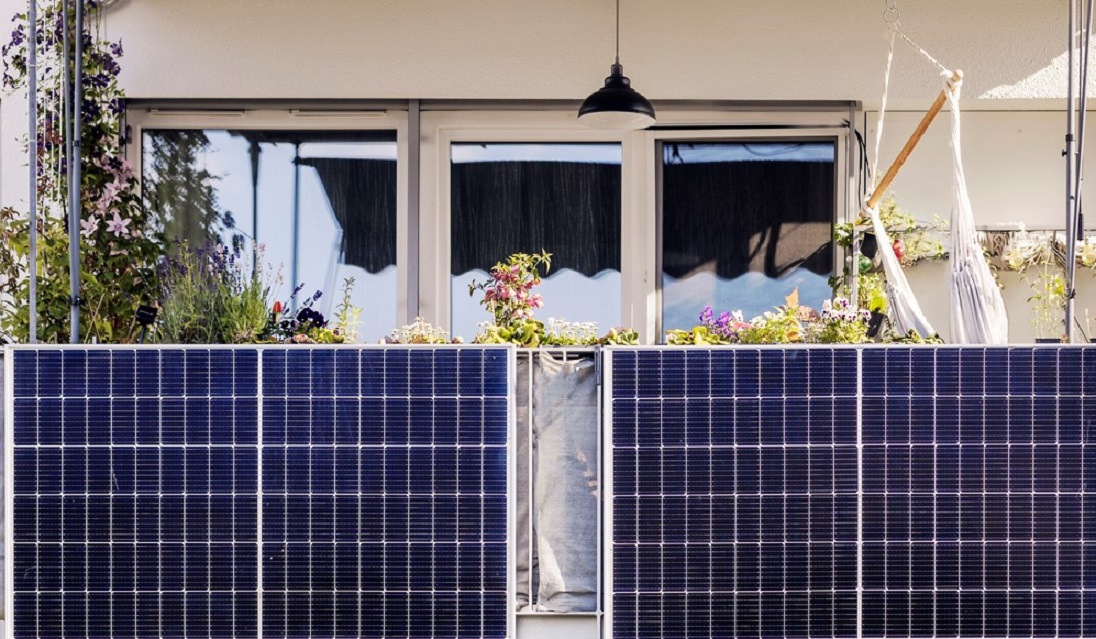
[(570, 209), (769, 216), (363, 196)]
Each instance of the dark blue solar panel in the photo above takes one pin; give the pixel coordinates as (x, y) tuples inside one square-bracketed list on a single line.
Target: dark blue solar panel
[(131, 518), (974, 491), (385, 493), (730, 471), (137, 490), (742, 506)]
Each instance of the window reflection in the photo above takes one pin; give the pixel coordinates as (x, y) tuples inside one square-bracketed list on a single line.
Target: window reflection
[(562, 198), (321, 203), (743, 225)]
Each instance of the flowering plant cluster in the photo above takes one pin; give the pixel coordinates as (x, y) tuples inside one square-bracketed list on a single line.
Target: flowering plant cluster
[(304, 324), (213, 295), (563, 333), (508, 294), (839, 322), (119, 246), (711, 330), (420, 332)]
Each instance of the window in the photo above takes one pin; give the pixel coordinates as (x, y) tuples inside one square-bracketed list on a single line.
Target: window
[(526, 197), (745, 223), (322, 203)]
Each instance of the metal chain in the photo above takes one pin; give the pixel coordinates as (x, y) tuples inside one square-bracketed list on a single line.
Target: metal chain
[(891, 15)]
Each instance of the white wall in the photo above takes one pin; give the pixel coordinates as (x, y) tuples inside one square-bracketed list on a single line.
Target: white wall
[(700, 49), (1013, 53)]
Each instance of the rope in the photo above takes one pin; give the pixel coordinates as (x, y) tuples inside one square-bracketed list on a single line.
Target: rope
[(943, 70), (882, 111)]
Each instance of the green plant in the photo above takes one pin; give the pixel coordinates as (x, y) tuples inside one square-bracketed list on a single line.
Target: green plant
[(839, 323), (508, 294), (303, 324), (1039, 263), (525, 332), (119, 248), (213, 296), (780, 326), (347, 315)]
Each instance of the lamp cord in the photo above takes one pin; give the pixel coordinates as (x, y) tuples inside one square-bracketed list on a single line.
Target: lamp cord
[(617, 32)]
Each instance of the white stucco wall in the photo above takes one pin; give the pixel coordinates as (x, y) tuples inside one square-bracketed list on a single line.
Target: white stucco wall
[(701, 49), (1013, 53)]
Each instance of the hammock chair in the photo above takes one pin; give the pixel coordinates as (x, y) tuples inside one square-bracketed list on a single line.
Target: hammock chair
[(977, 308)]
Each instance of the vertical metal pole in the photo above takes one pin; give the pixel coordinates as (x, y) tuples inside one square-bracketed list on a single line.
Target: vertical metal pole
[(414, 121), (852, 209), (293, 282), (1070, 202), (1079, 171), (74, 175), (32, 160), (255, 150)]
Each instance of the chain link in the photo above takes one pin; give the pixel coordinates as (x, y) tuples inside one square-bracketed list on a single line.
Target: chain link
[(891, 15)]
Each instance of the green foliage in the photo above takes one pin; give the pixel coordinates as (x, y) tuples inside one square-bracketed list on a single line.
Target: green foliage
[(212, 296), (913, 337), (119, 249), (697, 336), (508, 294), (781, 326), (620, 336), (347, 315), (840, 322)]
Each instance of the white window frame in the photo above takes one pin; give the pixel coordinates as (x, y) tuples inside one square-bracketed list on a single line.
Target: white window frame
[(838, 137), (442, 129), (285, 119), (640, 201)]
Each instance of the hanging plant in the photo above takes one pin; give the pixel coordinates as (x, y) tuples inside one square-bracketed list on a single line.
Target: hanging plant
[(119, 248)]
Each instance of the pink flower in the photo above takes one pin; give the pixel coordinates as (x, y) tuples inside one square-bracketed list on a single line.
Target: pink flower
[(119, 226), (89, 226)]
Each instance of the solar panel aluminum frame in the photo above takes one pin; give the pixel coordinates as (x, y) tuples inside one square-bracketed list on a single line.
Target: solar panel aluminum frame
[(9, 490), (7, 627)]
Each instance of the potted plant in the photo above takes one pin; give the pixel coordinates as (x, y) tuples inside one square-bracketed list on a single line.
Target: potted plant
[(1039, 263)]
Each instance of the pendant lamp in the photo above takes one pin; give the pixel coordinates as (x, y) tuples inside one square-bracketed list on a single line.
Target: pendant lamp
[(617, 105)]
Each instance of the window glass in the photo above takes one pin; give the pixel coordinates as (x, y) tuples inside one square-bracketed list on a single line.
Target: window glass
[(744, 225), (524, 198), (322, 204)]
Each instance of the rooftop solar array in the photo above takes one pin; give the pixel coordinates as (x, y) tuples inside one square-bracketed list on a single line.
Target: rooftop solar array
[(819, 492), (303, 492)]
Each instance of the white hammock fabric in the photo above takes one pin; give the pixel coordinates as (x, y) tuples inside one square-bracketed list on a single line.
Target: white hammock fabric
[(977, 309), (905, 311)]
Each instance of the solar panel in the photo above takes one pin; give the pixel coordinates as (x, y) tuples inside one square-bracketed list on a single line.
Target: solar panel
[(259, 492), (974, 492), (733, 493), (836, 492)]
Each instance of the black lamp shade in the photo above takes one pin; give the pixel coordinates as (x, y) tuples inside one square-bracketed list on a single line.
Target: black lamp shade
[(617, 105)]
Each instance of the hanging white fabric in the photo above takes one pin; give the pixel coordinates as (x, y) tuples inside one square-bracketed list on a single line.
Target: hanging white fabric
[(905, 311), (978, 313)]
